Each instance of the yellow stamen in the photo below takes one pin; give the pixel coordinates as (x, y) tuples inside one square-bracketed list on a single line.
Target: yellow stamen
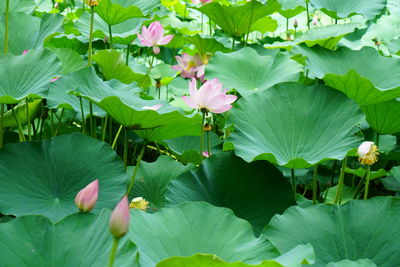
[(371, 157)]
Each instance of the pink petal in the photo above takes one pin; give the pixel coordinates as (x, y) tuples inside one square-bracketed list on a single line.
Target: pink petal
[(193, 88), (165, 40), (25, 52), (86, 199), (189, 101), (119, 220), (155, 107), (54, 79), (221, 109)]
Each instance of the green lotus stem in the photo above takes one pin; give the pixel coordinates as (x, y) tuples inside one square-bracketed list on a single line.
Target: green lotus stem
[(28, 119), (233, 44), (135, 170), (294, 182), (250, 22), (338, 196), (92, 129), (208, 143), (127, 55), (308, 14), (125, 148), (377, 139), (1, 125), (202, 18), (134, 153), (201, 135), (116, 137), (110, 130), (83, 115), (184, 13), (6, 27), (20, 131), (103, 131), (59, 122), (113, 252), (210, 26), (315, 185), (51, 123), (110, 33), (148, 71), (367, 182), (91, 36)]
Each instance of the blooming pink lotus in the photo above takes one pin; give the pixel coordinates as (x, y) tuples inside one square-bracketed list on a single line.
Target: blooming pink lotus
[(119, 220), (190, 66), (209, 97), (86, 199), (154, 36)]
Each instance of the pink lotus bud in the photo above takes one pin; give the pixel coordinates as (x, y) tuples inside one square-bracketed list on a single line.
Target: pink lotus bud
[(25, 52), (86, 199), (315, 20), (119, 220), (205, 154)]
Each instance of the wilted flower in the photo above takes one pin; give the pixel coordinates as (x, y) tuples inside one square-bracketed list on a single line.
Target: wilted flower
[(86, 199), (154, 36), (139, 203), (119, 220), (368, 153), (209, 97), (92, 2), (190, 66)]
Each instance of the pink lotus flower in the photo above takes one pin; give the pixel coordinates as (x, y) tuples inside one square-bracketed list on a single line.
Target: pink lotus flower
[(155, 107), (190, 66), (205, 154), (203, 2), (209, 97), (25, 52), (154, 36), (86, 199), (119, 220)]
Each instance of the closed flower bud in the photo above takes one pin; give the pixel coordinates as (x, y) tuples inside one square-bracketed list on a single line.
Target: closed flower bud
[(119, 220), (295, 23), (86, 199), (139, 203), (368, 153), (92, 2)]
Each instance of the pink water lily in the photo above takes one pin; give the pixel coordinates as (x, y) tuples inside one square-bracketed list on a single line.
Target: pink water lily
[(86, 199), (190, 66), (154, 36), (119, 220), (209, 97)]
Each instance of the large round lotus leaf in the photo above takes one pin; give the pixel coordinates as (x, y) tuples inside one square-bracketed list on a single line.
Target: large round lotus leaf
[(79, 240), (28, 32), (326, 36), (254, 191), (246, 71), (204, 45), (349, 263), (70, 59), (26, 75), (147, 6), (384, 117), (340, 9), (365, 75), (115, 13), (26, 6), (291, 8), (294, 125), (43, 178), (152, 179), (237, 20), (357, 230), (196, 227), (297, 257)]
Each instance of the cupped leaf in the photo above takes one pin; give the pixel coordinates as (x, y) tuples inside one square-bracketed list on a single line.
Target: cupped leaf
[(54, 171), (340, 9), (245, 70), (325, 36), (384, 117), (26, 75), (196, 227), (255, 191), (365, 75), (206, 45), (237, 20), (114, 13), (79, 240), (294, 125), (291, 8), (357, 230), (21, 111)]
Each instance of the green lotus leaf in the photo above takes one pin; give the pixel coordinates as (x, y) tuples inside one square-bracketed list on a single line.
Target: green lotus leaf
[(368, 229), (247, 71), (69, 42), (237, 20), (28, 32), (325, 36), (21, 113), (54, 171), (392, 182), (206, 45), (114, 12), (295, 126), (82, 239), (112, 64), (349, 263), (70, 59), (384, 117), (264, 25), (26, 75), (152, 179), (255, 191), (147, 6), (196, 227), (364, 75), (340, 9), (25, 6), (291, 8)]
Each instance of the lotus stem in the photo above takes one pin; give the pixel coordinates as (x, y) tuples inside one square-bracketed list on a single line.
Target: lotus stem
[(202, 134), (135, 170), (202, 18), (83, 115), (91, 122), (28, 119), (338, 196), (125, 148), (208, 143), (1, 126), (116, 137), (6, 27), (91, 36), (294, 182), (233, 44), (250, 22), (127, 55), (103, 131), (308, 14), (148, 71), (59, 122), (113, 252), (110, 33), (20, 131), (51, 123), (367, 182), (315, 185)]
